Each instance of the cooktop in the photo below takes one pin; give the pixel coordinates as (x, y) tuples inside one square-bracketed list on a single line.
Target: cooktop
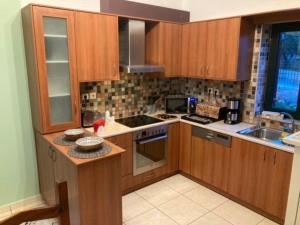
[(137, 121)]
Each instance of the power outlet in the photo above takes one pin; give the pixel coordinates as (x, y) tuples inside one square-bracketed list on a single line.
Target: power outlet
[(85, 96), (210, 91), (93, 95), (216, 92)]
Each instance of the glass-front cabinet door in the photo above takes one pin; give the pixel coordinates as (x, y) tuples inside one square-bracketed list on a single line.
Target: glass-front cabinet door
[(55, 49)]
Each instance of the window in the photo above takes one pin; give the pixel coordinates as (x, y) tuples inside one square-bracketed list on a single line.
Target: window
[(284, 70)]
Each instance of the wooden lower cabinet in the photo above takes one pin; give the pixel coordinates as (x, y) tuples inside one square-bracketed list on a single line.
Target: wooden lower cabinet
[(94, 188), (125, 141), (210, 162), (45, 169), (260, 176), (185, 148)]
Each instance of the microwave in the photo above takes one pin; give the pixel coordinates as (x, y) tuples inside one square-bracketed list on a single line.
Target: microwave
[(179, 104)]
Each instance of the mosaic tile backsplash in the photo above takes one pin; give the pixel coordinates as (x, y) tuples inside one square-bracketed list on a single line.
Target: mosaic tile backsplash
[(132, 93)]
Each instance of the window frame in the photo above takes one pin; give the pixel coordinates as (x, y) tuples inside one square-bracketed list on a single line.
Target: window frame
[(272, 76)]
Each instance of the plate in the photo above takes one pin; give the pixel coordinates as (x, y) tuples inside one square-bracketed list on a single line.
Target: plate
[(89, 143), (74, 134)]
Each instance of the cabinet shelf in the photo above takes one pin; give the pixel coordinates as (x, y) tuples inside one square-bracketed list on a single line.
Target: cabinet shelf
[(55, 36), (59, 95), (57, 61)]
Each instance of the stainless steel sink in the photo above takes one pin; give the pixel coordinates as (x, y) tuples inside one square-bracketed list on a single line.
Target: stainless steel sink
[(266, 134)]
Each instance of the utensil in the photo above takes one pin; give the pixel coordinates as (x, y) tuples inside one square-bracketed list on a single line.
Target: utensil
[(74, 134), (89, 143)]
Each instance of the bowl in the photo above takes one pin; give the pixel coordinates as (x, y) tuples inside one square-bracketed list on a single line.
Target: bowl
[(74, 134), (89, 143)]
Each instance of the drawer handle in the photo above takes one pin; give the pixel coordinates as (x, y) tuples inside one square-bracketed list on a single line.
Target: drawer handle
[(274, 158)]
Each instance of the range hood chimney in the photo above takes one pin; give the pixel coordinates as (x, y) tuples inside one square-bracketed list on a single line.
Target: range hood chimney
[(132, 48)]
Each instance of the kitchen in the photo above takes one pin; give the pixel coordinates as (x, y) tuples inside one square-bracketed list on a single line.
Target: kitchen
[(174, 101)]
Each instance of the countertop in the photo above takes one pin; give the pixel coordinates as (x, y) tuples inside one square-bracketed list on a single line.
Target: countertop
[(64, 150), (115, 128)]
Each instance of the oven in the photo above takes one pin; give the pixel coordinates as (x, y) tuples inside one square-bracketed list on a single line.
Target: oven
[(150, 149)]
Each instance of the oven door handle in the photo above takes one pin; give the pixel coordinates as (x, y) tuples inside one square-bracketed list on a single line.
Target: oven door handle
[(151, 139)]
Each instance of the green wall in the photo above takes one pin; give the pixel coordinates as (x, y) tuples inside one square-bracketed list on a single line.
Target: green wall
[(18, 176)]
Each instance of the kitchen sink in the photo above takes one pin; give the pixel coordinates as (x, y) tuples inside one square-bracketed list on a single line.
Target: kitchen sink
[(266, 134)]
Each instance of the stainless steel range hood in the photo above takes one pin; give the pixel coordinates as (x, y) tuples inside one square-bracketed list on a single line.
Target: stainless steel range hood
[(132, 48)]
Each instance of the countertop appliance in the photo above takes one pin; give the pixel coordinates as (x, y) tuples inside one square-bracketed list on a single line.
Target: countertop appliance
[(137, 121), (233, 113), (180, 104), (199, 119), (211, 136), (150, 149)]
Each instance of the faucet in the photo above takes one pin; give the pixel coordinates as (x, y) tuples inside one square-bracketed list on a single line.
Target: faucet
[(258, 121), (287, 129)]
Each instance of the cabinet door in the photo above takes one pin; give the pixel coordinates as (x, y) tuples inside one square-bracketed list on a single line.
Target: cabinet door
[(163, 47), (185, 148), (97, 46), (45, 170), (57, 77), (247, 176), (210, 162), (222, 48), (125, 141), (173, 147), (194, 39), (277, 182)]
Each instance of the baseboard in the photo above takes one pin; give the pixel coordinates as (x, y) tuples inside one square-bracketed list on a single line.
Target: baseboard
[(7, 210)]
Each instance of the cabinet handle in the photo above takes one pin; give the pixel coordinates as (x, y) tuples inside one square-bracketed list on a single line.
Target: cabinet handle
[(207, 70), (265, 155), (75, 107), (274, 158), (50, 152), (114, 71), (53, 156)]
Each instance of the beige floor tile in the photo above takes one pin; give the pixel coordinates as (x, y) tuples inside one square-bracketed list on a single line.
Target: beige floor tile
[(157, 193), (237, 214), (210, 219), (134, 205), (180, 183), (152, 217), (182, 210), (206, 198), (267, 222)]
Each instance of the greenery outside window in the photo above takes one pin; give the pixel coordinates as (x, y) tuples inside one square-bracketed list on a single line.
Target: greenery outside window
[(282, 94)]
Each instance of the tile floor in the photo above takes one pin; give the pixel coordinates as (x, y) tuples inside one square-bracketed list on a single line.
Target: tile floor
[(180, 201)]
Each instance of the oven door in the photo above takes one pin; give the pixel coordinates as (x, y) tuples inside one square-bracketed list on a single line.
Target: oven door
[(149, 153)]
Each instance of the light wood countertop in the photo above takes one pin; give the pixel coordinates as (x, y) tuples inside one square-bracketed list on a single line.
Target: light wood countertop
[(64, 150)]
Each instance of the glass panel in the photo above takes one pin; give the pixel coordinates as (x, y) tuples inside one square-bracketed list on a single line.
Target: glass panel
[(288, 72), (59, 85)]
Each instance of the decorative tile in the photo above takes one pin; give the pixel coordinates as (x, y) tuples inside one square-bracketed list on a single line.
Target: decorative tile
[(182, 210)]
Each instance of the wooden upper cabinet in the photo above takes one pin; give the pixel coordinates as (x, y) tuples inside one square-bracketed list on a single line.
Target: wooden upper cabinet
[(163, 47), (97, 47), (51, 67), (218, 49), (229, 49), (193, 62)]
